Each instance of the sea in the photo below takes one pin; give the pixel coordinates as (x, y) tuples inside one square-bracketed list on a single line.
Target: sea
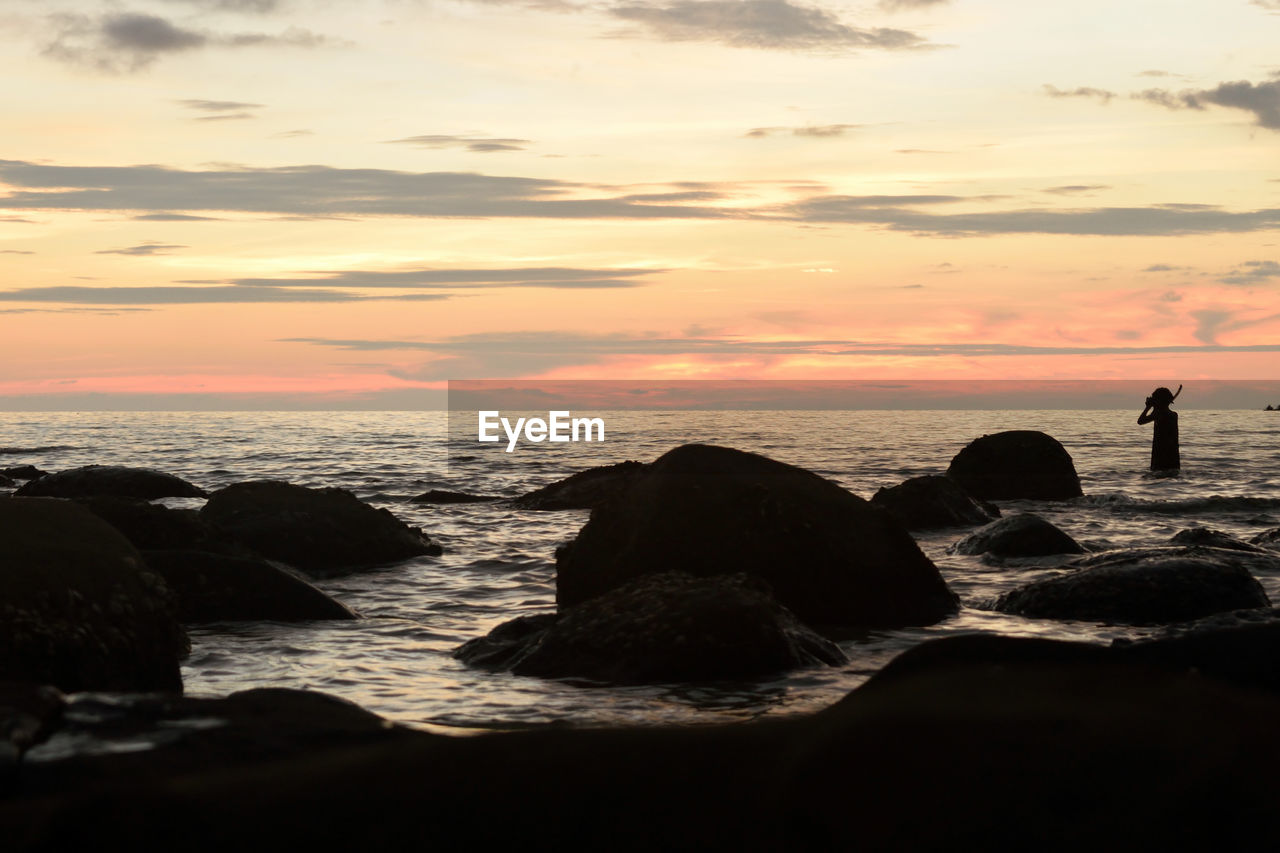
[(499, 562)]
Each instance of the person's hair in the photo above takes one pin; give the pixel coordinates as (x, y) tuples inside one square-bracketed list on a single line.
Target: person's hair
[(1162, 395)]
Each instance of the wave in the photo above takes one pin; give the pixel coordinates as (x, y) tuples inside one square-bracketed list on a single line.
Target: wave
[(1213, 503), (44, 448)]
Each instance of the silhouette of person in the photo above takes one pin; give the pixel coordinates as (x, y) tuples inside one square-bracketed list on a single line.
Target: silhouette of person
[(1164, 438)]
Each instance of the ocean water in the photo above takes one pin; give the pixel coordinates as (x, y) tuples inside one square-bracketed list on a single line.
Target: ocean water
[(499, 562)]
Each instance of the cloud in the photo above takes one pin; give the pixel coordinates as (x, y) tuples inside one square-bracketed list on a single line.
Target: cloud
[(1253, 272), (166, 295), (15, 252), (143, 249), (821, 131), (293, 134), (1273, 5), (1079, 92), (1074, 189), (463, 279), (172, 217), (220, 110), (766, 24), (477, 143), (261, 7), (1162, 268), (908, 5), (121, 42), (1261, 99), (1209, 323)]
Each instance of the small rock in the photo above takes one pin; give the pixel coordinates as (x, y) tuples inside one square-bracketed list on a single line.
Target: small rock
[(1021, 535), (110, 480), (584, 490), (925, 503)]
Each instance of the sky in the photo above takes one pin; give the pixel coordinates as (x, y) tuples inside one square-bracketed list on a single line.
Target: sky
[(346, 203)]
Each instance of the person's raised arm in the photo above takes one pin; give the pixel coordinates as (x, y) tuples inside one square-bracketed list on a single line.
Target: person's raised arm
[(1146, 417)]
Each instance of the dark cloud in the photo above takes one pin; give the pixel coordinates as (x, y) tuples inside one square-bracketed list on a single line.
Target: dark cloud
[(463, 279), (1075, 189), (1261, 99), (1210, 323), (1079, 92), (1253, 272), (478, 143), (770, 24), (261, 7), (128, 41), (144, 249), (1162, 268), (821, 131), (166, 295)]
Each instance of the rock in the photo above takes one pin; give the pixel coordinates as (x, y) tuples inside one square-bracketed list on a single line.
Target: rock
[(585, 489), (1144, 587), (110, 480), (660, 628), (23, 472), (1269, 539), (1021, 535), (830, 557), (6, 483), (80, 610), (324, 532), (28, 713), (439, 496), (224, 588), (151, 526), (1212, 539), (924, 503), (1015, 465)]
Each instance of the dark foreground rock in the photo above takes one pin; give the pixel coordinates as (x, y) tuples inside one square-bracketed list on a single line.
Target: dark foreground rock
[(440, 496), (151, 526), (23, 472), (1269, 539), (224, 588), (1146, 587), (1213, 539), (1030, 754), (584, 490), (1021, 535), (926, 503), (1019, 464), (6, 483), (28, 714), (78, 607), (110, 480), (658, 628), (830, 557), (324, 532)]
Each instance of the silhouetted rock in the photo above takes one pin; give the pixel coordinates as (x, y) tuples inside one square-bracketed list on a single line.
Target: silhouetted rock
[(924, 503), (321, 531), (151, 526), (667, 627), (23, 472), (80, 609), (1145, 587), (110, 480), (6, 483), (830, 557), (1212, 539), (1269, 539), (439, 496), (28, 713), (1021, 535), (223, 588), (584, 490), (1014, 465)]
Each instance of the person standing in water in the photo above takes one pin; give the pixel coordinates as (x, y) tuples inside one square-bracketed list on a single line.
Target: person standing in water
[(1164, 439)]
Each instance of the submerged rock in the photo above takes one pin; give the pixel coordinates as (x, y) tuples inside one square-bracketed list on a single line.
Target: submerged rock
[(1145, 587), (665, 627), (28, 713), (1015, 465), (1269, 539), (6, 483), (324, 532), (440, 496), (585, 489), (110, 480), (23, 472), (1021, 535), (223, 588), (1213, 539), (925, 503), (79, 609), (829, 556)]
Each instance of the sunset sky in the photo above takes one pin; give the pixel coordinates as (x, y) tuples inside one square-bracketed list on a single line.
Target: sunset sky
[(283, 203)]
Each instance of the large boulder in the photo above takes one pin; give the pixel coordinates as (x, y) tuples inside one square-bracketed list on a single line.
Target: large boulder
[(324, 532), (151, 526), (925, 503), (584, 490), (1023, 535), (1014, 465), (110, 480), (213, 587), (79, 608), (830, 557), (667, 627), (1145, 587)]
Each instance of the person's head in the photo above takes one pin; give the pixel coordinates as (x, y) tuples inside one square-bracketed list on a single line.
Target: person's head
[(1160, 397)]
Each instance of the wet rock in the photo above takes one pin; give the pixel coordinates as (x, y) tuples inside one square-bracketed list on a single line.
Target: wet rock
[(223, 588), (440, 496), (110, 480), (6, 483), (324, 532), (585, 489), (1145, 587), (78, 607), (925, 503), (28, 713), (1015, 465), (1269, 539), (1021, 535), (659, 628), (1212, 539), (23, 472), (830, 557), (151, 526)]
